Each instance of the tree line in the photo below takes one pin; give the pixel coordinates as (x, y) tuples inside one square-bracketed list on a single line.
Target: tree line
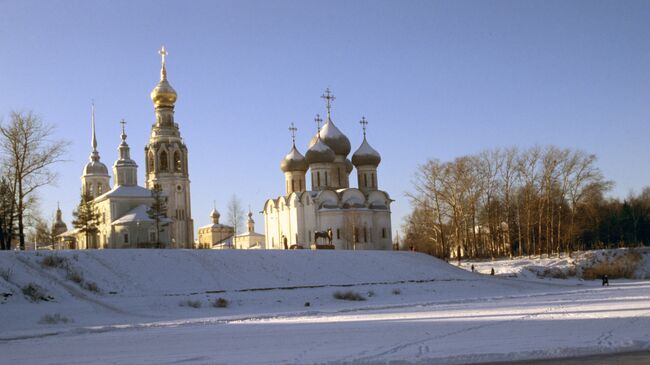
[(500, 202)]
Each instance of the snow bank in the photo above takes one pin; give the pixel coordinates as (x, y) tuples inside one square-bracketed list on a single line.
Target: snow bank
[(626, 263)]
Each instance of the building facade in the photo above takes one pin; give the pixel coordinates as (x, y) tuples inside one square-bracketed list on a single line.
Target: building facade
[(354, 218)]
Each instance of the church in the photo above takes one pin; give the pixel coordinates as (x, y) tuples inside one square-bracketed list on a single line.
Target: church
[(352, 218), (124, 221)]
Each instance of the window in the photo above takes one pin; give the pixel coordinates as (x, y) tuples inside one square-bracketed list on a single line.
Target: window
[(365, 234), (318, 176), (126, 238), (152, 237), (383, 233), (300, 184), (293, 185), (365, 180), (372, 176), (163, 161), (177, 161), (339, 175), (326, 178), (100, 189), (338, 234), (150, 162)]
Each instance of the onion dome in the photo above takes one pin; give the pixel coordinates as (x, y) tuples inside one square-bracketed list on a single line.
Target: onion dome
[(163, 95), (319, 152), (333, 138), (293, 161), (366, 155), (95, 168), (214, 214)]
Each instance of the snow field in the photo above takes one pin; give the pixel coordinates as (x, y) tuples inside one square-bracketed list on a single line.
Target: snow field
[(417, 310)]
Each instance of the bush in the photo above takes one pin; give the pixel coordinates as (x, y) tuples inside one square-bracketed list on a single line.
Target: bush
[(91, 286), (54, 319), (348, 295), (620, 266), (35, 293), (190, 303), (74, 276), (220, 303), (371, 293), (397, 292), (6, 274), (54, 261)]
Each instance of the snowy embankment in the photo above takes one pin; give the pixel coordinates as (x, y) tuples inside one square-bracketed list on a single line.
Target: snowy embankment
[(623, 263), (273, 307)]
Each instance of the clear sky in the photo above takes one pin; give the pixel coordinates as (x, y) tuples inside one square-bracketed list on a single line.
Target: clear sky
[(435, 79)]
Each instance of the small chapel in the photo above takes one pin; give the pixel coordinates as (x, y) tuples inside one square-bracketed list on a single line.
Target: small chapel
[(350, 218), (124, 209)]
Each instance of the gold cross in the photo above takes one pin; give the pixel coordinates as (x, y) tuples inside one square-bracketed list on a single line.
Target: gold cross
[(163, 53), (364, 124), (122, 122), (293, 130), (329, 98)]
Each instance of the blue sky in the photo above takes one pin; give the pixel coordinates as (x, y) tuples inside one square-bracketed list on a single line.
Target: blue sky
[(435, 79)]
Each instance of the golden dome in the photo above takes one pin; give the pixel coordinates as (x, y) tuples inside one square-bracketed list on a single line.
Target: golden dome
[(163, 94)]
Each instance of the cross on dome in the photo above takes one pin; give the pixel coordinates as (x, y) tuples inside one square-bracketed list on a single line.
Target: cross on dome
[(329, 98), (364, 125), (123, 123), (318, 120), (162, 54), (293, 130)]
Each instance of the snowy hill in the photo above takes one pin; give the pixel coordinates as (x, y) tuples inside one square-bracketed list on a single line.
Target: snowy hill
[(284, 307)]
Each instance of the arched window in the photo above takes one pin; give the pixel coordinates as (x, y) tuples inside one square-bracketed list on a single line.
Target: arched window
[(318, 178), (164, 166), (177, 161), (150, 162), (372, 177), (365, 180)]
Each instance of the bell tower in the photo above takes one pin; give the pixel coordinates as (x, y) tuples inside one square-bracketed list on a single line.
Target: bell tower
[(166, 162)]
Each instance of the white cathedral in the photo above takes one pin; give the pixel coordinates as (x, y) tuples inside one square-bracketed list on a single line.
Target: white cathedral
[(353, 218), (124, 221)]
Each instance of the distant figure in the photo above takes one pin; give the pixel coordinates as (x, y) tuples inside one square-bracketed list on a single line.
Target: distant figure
[(472, 267), (492, 272), (605, 280)]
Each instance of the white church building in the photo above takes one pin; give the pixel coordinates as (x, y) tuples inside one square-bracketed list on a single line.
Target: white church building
[(124, 221), (357, 218)]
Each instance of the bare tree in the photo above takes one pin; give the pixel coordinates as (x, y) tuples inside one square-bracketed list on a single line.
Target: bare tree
[(29, 151), (7, 214), (235, 214)]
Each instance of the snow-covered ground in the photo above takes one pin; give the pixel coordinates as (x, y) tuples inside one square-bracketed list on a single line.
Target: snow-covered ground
[(631, 263), (155, 306)]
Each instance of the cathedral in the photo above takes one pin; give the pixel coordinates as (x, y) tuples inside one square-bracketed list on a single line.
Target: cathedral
[(351, 218), (124, 218)]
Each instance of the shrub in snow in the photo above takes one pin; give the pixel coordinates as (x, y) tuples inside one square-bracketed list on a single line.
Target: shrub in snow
[(307, 304), (371, 293), (35, 293), (6, 274), (220, 303), (348, 295), (190, 303), (91, 286), (623, 265), (397, 292), (54, 261), (54, 319), (75, 276)]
